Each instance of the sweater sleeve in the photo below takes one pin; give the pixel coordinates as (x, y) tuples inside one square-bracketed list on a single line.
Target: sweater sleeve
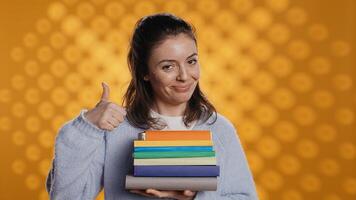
[(77, 167), (235, 181)]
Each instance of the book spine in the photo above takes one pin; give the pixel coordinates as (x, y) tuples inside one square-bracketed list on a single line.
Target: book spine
[(176, 170), (176, 161), (173, 148), (139, 143), (173, 154), (172, 183), (176, 135)]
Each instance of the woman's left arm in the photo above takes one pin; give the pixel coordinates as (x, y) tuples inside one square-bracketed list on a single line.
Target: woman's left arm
[(235, 181)]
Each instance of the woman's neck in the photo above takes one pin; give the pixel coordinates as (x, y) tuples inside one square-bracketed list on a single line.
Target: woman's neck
[(169, 109)]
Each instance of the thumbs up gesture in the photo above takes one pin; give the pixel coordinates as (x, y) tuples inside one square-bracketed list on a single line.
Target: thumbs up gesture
[(106, 115)]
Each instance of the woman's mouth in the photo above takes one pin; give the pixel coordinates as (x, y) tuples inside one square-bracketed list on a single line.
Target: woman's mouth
[(182, 88)]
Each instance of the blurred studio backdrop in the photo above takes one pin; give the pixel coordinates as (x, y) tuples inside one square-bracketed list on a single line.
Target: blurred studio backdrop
[(282, 71)]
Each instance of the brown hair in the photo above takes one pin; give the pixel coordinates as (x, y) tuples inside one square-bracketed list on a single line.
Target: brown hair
[(150, 31)]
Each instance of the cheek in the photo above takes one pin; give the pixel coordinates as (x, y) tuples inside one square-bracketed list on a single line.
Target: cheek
[(195, 73)]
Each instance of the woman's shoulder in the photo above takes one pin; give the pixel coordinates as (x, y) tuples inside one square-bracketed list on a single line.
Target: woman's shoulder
[(218, 120)]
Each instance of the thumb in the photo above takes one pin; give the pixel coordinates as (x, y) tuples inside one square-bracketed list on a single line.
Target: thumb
[(106, 92)]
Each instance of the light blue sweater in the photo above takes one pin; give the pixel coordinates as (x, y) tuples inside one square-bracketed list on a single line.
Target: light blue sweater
[(88, 159)]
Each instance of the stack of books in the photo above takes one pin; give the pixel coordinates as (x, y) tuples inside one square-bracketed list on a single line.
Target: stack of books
[(174, 160)]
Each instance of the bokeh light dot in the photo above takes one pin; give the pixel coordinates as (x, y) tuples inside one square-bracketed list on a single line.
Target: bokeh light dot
[(56, 11), (45, 54), (304, 115), (32, 124), (283, 98), (323, 99), (349, 185), (342, 82), (30, 40), (33, 152), (296, 16), (345, 116), (32, 95), (261, 50), (241, 6), (307, 148), (268, 147), (278, 33), (271, 179), (310, 183), (329, 167), (320, 65), (45, 81), (17, 54), (85, 10), (32, 68), (18, 109), (5, 95), (19, 138), (347, 150), (263, 82), (249, 130), (32, 181), (265, 114), (277, 5), (280, 66), (59, 68), (301, 82), (46, 138), (100, 25), (260, 18), (72, 54), (18, 166), (71, 25), (325, 132), (299, 49), (59, 96), (58, 40), (318, 32), (46, 110), (292, 194), (288, 164), (114, 10), (340, 48), (43, 26)]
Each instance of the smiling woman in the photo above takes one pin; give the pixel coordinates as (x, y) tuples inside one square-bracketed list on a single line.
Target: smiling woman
[(93, 151)]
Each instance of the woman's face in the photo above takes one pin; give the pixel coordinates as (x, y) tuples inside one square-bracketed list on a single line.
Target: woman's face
[(174, 69)]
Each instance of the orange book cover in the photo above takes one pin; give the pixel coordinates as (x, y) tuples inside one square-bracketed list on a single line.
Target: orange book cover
[(158, 135)]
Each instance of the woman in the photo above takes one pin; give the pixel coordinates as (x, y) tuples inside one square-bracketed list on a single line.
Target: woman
[(93, 151)]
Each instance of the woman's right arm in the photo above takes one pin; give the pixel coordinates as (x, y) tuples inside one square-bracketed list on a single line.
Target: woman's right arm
[(77, 167), (78, 164)]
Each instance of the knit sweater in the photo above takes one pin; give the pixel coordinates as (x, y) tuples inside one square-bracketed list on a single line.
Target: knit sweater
[(88, 159)]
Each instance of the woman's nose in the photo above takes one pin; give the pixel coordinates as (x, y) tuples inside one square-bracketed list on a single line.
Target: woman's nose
[(182, 74)]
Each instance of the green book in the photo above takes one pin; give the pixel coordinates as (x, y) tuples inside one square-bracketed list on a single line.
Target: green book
[(173, 154)]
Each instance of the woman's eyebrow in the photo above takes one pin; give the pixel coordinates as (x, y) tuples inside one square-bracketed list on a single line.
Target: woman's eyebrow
[(194, 54)]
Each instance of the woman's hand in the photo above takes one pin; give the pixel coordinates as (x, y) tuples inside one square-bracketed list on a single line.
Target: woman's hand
[(106, 115), (172, 194)]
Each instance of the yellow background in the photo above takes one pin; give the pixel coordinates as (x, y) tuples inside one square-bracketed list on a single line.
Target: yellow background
[(283, 71)]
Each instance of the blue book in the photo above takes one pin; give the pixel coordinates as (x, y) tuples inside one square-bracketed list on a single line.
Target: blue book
[(176, 170), (174, 148)]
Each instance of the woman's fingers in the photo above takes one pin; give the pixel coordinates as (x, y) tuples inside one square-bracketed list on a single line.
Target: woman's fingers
[(189, 193), (142, 192)]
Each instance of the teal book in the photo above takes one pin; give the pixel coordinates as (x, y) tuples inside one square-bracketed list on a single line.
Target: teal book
[(173, 154)]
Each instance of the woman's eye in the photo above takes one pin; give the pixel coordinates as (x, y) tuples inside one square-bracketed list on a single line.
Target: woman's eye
[(192, 62), (167, 67)]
